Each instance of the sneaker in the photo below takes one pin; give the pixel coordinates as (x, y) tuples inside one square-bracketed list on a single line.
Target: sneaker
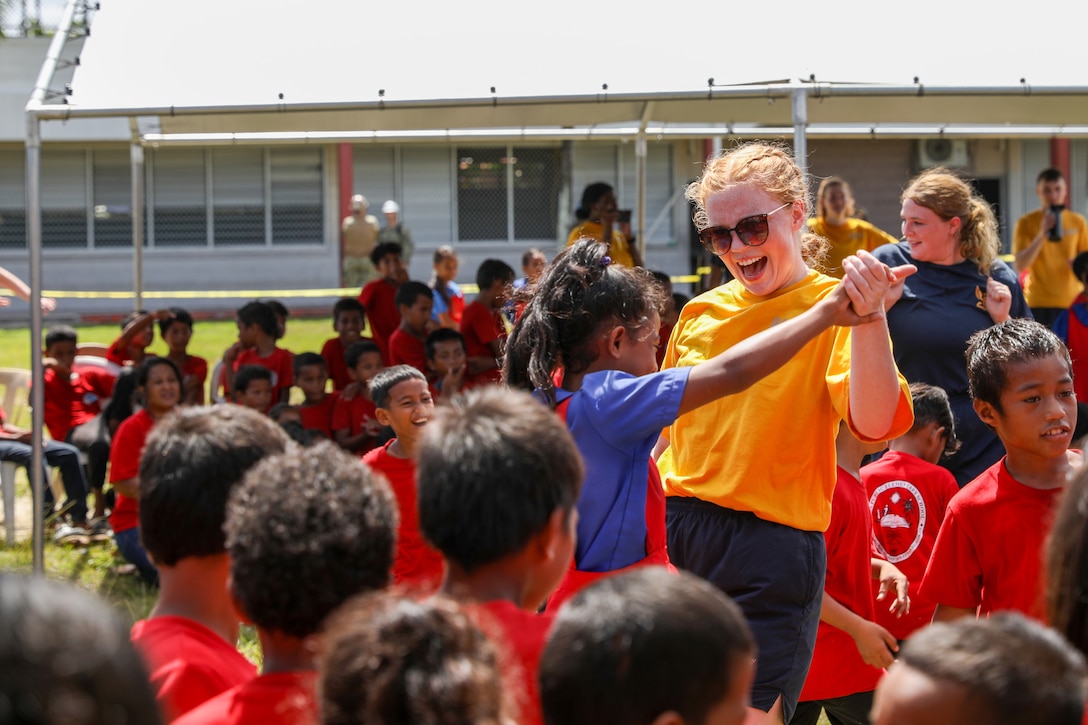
[(71, 535), (99, 530)]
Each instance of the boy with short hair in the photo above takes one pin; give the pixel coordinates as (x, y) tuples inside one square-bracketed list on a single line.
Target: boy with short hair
[(648, 646), (908, 495), (354, 420), (1006, 669), (403, 401), (316, 518), (137, 333), (257, 331), (467, 466), (447, 362), (177, 331), (483, 324), (73, 411), (191, 462), (348, 320), (406, 344), (253, 388), (988, 553), (311, 378), (379, 296)]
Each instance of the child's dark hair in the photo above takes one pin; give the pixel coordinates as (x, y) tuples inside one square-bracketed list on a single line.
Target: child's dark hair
[(280, 410), (278, 308), (636, 645), (305, 359), (192, 460), (347, 304), (1016, 670), (247, 374), (445, 251), (357, 349), (590, 196), (390, 659), (663, 279), (680, 299), (494, 455), (181, 315), (579, 295), (442, 334), (931, 406), (380, 251), (132, 317), (60, 333), (528, 255), (144, 371), (387, 379), (313, 517), (66, 657), (260, 314), (491, 271), (409, 292), (993, 350), (1080, 268)]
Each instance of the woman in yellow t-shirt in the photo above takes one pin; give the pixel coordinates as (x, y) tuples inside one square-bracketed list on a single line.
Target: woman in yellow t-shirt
[(597, 214), (835, 222)]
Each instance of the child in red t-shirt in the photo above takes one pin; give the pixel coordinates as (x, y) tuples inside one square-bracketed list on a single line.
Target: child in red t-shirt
[(852, 650), (447, 362), (403, 401), (137, 333), (195, 457), (908, 494), (355, 423), (506, 570), (257, 335), (449, 301), (379, 296), (177, 331), (317, 407), (406, 344), (253, 388), (349, 320), (316, 518), (989, 552), (483, 325)]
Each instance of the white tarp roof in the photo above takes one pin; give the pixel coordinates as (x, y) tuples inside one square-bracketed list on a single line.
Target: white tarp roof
[(437, 62)]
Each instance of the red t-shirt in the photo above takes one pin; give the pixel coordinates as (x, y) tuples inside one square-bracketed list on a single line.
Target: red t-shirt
[(379, 299), (907, 501), (480, 326), (416, 563), (319, 415), (352, 415), (118, 354), (336, 364), (989, 551), (187, 662), (195, 368), (281, 362), (407, 349), (125, 450), (74, 400), (520, 637), (837, 669), (281, 698)]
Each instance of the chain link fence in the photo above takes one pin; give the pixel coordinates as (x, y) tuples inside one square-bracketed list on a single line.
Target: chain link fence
[(32, 18)]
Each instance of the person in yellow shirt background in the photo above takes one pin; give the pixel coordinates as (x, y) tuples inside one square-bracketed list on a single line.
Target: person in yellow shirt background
[(835, 222), (597, 215), (1045, 243)]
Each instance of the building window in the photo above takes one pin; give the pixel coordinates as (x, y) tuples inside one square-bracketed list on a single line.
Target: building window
[(178, 198), (507, 194)]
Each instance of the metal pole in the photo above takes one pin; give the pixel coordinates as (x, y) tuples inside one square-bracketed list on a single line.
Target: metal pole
[(640, 157), (138, 223), (37, 393), (800, 125)]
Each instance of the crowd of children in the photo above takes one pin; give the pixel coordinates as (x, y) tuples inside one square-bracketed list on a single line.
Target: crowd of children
[(510, 552)]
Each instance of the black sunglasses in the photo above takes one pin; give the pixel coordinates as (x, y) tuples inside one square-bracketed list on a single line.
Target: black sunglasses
[(751, 230)]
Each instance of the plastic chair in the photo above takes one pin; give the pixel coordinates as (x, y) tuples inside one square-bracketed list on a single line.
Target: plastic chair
[(16, 382), (213, 383)]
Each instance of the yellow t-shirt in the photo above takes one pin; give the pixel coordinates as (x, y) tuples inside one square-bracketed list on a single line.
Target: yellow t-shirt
[(1052, 281), (618, 250), (770, 449), (847, 239)]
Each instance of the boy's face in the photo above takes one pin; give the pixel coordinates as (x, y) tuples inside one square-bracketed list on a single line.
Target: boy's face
[(416, 316), (906, 696), (311, 381), (1038, 409), (1051, 193), (448, 355), (144, 338), (369, 365), (247, 334), (391, 266), (63, 352), (349, 325), (501, 289), (732, 709), (177, 336), (409, 409), (257, 395)]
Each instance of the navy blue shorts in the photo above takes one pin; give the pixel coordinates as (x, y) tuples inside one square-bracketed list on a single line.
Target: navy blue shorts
[(773, 572)]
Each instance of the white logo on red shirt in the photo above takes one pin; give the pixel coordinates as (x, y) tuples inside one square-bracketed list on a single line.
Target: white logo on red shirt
[(899, 519)]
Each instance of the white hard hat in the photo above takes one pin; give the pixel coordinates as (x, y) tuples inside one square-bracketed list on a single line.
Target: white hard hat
[(358, 202), (390, 207)]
